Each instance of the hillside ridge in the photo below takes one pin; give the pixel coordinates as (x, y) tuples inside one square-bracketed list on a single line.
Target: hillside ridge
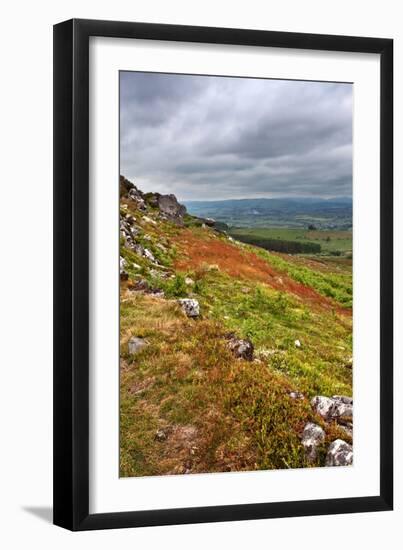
[(232, 358)]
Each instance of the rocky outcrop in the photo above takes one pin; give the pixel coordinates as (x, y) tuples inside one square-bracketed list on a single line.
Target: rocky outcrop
[(171, 209), (312, 437), (137, 196), (190, 306), (168, 205), (339, 453), (128, 230)]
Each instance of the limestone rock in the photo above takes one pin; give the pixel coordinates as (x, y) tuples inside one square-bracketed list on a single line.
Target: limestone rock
[(333, 408), (339, 453), (343, 407), (242, 349), (136, 196), (323, 406), (190, 306), (170, 207), (312, 436)]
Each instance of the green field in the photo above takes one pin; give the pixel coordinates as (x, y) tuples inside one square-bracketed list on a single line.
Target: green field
[(331, 242)]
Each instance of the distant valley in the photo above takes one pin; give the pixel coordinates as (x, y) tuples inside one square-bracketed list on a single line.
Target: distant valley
[(324, 214)]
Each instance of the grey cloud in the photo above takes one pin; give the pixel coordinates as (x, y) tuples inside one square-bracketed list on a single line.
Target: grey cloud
[(206, 137)]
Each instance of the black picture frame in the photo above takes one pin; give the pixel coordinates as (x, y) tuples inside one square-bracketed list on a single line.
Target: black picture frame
[(71, 274)]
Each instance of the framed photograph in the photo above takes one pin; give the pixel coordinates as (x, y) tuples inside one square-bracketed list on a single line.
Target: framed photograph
[(223, 254)]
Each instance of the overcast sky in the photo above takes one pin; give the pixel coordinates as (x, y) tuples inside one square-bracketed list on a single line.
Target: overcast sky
[(209, 138)]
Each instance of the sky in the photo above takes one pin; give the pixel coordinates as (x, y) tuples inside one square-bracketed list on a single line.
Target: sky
[(212, 138)]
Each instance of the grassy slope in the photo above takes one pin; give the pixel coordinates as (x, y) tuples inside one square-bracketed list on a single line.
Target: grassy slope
[(221, 413)]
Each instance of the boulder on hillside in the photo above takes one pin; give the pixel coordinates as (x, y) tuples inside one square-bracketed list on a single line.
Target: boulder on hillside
[(323, 406), (241, 348), (190, 307), (343, 407), (333, 408), (339, 453), (312, 436), (168, 205)]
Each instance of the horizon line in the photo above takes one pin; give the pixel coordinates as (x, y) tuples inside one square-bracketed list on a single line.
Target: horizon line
[(271, 198)]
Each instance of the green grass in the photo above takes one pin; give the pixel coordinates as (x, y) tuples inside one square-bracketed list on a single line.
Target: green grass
[(335, 285), (240, 411), (273, 321), (331, 242)]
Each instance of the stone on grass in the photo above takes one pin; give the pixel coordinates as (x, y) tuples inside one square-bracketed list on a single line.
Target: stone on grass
[(241, 348), (343, 407), (339, 453), (312, 436), (136, 344), (297, 344), (161, 435), (190, 306), (323, 406), (333, 408)]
